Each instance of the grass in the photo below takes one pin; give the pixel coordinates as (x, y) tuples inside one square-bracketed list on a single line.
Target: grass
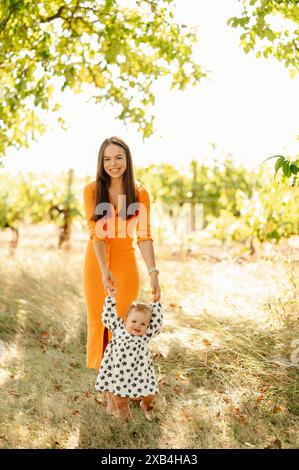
[(223, 359)]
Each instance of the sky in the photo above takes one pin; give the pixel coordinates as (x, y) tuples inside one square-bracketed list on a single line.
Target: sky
[(247, 107)]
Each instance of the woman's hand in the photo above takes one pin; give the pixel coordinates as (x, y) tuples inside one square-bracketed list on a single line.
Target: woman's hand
[(109, 283), (156, 292)]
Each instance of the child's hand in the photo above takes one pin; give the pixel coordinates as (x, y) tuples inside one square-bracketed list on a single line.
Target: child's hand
[(111, 292)]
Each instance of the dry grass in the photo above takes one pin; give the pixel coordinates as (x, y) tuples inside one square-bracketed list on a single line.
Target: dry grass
[(223, 359)]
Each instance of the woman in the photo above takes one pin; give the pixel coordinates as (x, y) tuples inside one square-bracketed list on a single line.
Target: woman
[(110, 265)]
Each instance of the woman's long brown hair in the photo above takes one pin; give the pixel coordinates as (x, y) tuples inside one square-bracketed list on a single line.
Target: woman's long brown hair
[(103, 180)]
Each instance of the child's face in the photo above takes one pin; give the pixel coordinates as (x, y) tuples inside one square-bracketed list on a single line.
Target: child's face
[(137, 322)]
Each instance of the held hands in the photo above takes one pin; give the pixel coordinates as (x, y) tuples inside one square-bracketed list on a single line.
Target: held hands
[(109, 283), (156, 292)]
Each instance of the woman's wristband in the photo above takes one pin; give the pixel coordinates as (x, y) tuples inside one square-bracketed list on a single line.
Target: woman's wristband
[(151, 270)]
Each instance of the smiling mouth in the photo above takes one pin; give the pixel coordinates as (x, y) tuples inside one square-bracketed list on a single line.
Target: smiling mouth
[(114, 171), (136, 331)]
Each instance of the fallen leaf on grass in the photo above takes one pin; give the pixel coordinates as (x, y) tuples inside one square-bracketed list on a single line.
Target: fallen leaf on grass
[(162, 381), (185, 414), (278, 409), (206, 342), (181, 378), (157, 354), (87, 394), (75, 412), (16, 394), (178, 389), (227, 399), (243, 418), (44, 334), (236, 411), (162, 351), (275, 444), (248, 444), (74, 364), (265, 388), (99, 400), (260, 398)]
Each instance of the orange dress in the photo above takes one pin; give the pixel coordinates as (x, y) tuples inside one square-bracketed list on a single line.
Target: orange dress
[(121, 261)]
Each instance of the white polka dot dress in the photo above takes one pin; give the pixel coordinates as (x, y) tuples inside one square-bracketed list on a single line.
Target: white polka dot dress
[(127, 369)]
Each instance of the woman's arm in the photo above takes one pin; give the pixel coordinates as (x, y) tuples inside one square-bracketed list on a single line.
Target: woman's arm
[(146, 248), (99, 243), (88, 199), (108, 280), (145, 240), (99, 247), (144, 230)]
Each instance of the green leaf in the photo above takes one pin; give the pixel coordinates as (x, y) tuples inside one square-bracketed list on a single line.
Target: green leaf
[(293, 73), (77, 43), (270, 35), (282, 42), (278, 164), (286, 168)]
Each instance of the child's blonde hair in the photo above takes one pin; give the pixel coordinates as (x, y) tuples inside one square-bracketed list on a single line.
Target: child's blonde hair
[(142, 306)]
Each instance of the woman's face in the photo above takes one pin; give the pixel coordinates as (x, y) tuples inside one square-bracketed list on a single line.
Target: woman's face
[(114, 160)]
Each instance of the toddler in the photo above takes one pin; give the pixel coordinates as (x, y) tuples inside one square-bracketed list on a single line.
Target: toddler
[(127, 369)]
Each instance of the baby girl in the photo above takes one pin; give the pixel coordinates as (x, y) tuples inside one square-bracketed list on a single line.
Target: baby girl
[(127, 369)]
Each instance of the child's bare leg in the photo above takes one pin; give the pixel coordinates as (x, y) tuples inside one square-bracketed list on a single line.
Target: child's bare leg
[(123, 407), (147, 402), (111, 406), (147, 406)]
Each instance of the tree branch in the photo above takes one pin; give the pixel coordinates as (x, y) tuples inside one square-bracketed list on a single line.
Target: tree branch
[(53, 17), (76, 8), (4, 23), (294, 42)]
